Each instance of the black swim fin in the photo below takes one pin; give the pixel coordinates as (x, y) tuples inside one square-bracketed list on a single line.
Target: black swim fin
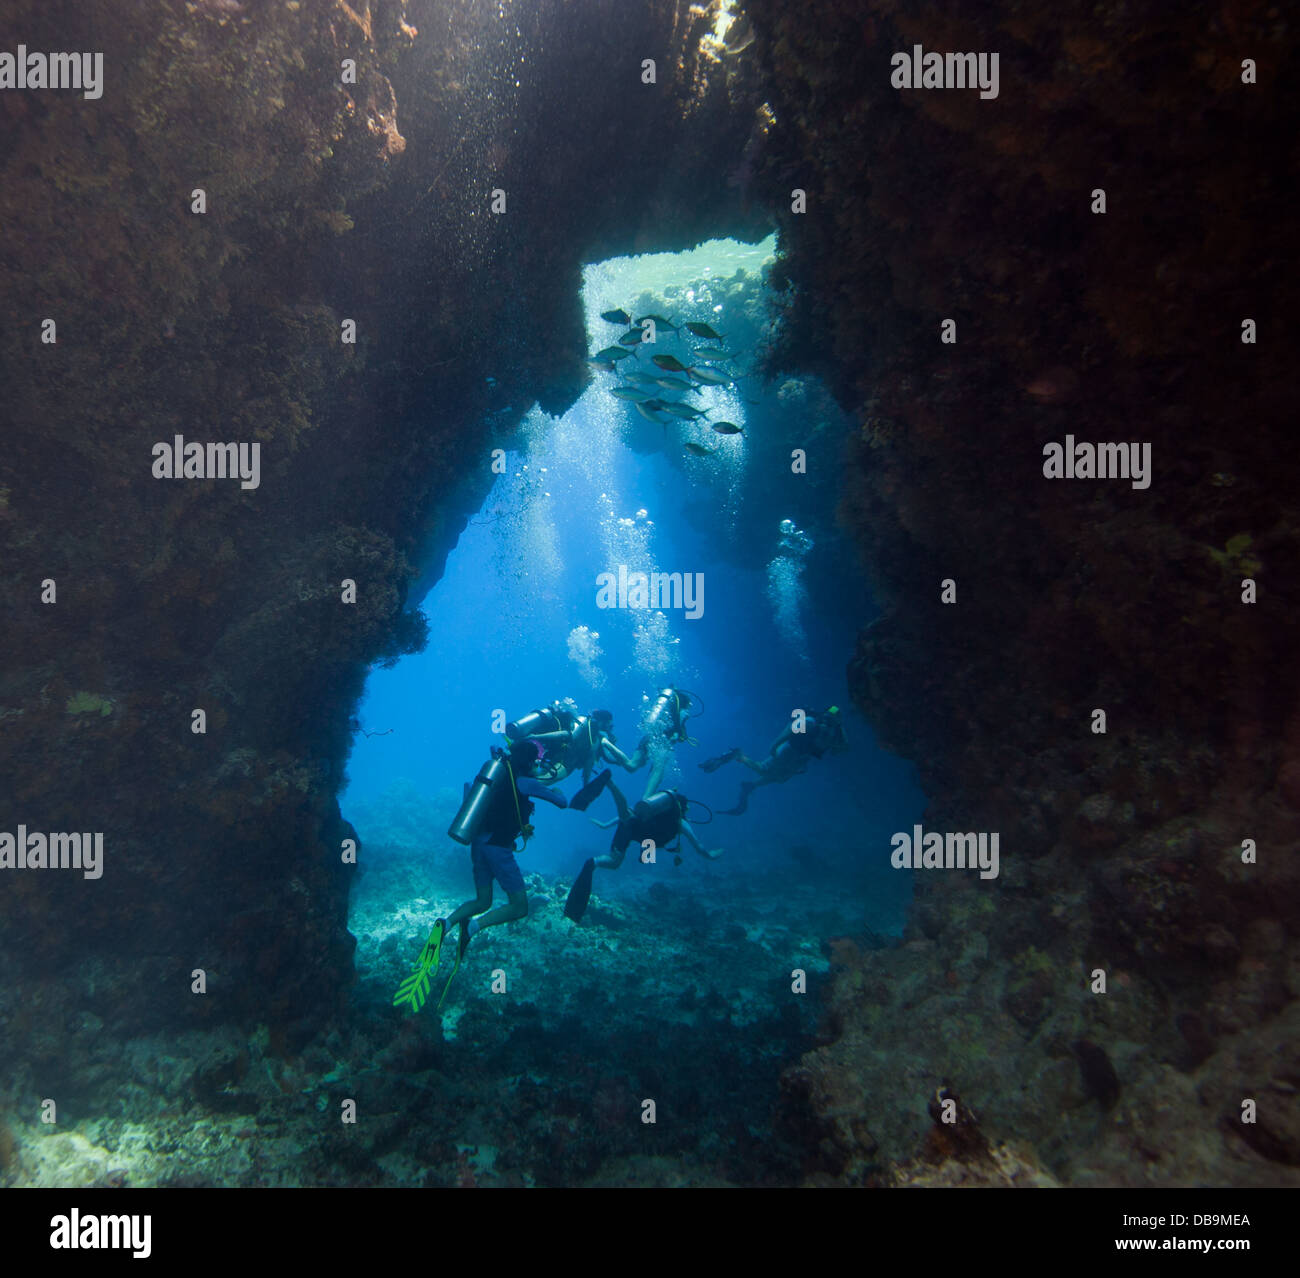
[(712, 765), (461, 947), (580, 893), (589, 792)]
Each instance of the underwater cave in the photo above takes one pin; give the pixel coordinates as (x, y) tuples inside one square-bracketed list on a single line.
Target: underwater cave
[(764, 628), (421, 415)]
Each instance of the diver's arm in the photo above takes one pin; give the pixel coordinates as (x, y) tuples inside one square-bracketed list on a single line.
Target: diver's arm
[(612, 754), (536, 790), (711, 854), (640, 756)]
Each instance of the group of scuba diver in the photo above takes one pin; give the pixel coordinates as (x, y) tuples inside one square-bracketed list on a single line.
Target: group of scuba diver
[(547, 746)]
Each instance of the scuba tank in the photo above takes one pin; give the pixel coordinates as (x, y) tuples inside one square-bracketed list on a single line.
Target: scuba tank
[(664, 715), (658, 818), (549, 726), (658, 805), (535, 723), (582, 740), (478, 798)]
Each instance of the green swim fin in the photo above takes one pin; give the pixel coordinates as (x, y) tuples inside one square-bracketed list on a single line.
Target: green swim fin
[(415, 989)]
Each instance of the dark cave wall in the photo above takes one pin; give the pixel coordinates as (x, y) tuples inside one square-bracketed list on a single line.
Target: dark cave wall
[(1119, 851), (222, 850)]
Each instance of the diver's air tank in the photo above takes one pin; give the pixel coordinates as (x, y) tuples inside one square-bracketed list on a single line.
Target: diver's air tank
[(662, 715), (582, 741), (534, 722), (541, 723), (478, 798), (657, 805)]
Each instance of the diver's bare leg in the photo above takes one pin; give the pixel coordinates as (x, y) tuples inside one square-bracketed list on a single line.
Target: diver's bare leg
[(470, 908), (612, 859), (516, 907), (619, 801), (656, 778)]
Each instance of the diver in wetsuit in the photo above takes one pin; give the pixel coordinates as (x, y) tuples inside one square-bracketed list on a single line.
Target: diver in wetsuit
[(495, 812), (660, 817), (789, 755), (572, 743), (550, 727), (593, 743), (502, 817)]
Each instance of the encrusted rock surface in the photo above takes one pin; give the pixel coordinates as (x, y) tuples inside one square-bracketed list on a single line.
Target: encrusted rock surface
[(326, 201), (1120, 852)]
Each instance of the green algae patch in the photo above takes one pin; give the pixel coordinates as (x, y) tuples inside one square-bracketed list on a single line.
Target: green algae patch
[(89, 703), (1236, 558)]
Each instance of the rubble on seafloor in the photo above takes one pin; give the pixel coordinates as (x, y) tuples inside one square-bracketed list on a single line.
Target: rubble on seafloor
[(535, 1072)]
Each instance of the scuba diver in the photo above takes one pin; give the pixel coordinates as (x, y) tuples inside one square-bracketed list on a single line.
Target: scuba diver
[(495, 812), (665, 727), (592, 742), (573, 743), (660, 817), (789, 755), (549, 728)]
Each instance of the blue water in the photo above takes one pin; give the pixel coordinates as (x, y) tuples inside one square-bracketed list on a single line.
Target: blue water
[(506, 634)]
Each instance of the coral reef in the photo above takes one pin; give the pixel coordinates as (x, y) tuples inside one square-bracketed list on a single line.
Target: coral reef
[(1121, 852), (540, 1082)]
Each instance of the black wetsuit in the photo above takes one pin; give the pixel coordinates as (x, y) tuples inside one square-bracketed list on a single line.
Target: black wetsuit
[(643, 823)]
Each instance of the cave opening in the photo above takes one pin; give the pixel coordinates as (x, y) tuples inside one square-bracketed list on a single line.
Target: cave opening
[(757, 602)]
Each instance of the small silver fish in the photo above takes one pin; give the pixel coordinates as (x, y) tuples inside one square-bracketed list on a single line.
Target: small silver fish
[(710, 377), (659, 322), (704, 331)]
